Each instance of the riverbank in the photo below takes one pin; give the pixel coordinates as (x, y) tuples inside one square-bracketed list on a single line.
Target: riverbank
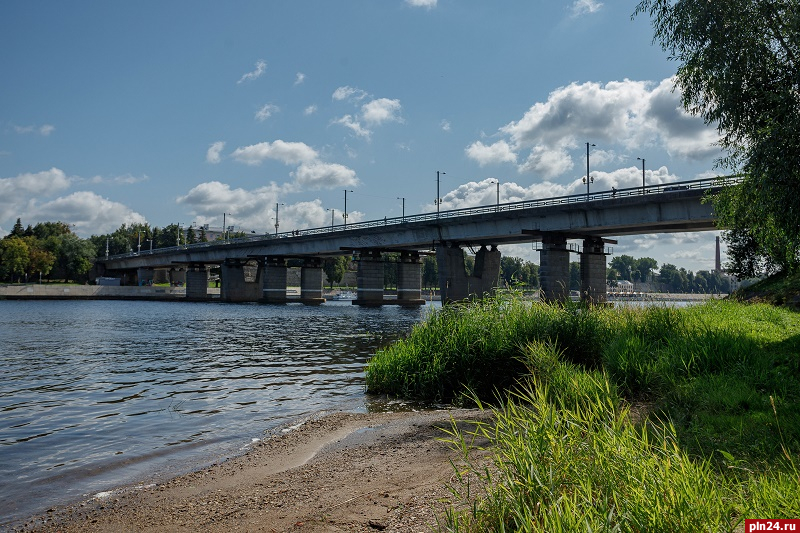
[(343, 472)]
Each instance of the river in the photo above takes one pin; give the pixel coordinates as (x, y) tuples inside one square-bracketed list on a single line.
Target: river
[(97, 395)]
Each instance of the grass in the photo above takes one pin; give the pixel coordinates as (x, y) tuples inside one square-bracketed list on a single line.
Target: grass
[(716, 389)]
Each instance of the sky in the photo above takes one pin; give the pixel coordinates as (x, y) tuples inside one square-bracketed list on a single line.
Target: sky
[(192, 112)]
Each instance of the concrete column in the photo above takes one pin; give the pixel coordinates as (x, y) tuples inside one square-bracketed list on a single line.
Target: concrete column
[(177, 276), (369, 278), (145, 276), (240, 282), (311, 281), (486, 273), (409, 279), (274, 290), (593, 271), (453, 282), (554, 268), (197, 282)]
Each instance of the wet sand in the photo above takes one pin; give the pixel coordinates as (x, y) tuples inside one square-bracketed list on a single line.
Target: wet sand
[(342, 472)]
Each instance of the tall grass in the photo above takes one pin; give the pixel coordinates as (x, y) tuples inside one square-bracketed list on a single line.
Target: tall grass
[(571, 459), (718, 385)]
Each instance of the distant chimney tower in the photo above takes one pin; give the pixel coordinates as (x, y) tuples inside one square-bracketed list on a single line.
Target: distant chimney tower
[(717, 261)]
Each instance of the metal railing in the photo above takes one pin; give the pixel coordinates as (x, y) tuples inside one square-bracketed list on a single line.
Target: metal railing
[(701, 184)]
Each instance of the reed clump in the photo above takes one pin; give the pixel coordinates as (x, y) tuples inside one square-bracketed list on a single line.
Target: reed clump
[(715, 438)]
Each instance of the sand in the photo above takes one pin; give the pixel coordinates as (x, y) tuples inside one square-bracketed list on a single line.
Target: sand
[(339, 472)]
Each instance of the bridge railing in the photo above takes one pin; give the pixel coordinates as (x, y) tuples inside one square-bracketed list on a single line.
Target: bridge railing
[(701, 184)]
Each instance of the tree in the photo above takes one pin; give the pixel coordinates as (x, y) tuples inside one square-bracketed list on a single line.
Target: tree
[(14, 257), (575, 276), (17, 230), (335, 269), (739, 70), (191, 236), (430, 272), (75, 257), (645, 266), (624, 265)]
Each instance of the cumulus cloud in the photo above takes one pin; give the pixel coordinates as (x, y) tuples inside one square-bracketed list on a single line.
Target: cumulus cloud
[(583, 7), (125, 179), (627, 113), (348, 93), (499, 152), (88, 212), (26, 196), (213, 154), (286, 152), (373, 113), (428, 4), (317, 175), (261, 67), (381, 110), (300, 78), (254, 209), (266, 111)]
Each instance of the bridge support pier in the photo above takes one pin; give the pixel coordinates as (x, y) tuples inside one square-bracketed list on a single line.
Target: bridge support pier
[(197, 282), (554, 268), (145, 275), (409, 279), (369, 278), (275, 280), (176, 276), (455, 285), (241, 282), (311, 281), (593, 271)]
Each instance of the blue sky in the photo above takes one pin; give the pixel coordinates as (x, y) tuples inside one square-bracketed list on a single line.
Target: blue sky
[(177, 112)]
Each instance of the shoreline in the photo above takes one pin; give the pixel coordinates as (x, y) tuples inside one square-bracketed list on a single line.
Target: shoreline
[(341, 471)]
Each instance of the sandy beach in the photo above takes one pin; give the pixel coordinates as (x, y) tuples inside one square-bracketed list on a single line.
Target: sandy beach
[(339, 472)]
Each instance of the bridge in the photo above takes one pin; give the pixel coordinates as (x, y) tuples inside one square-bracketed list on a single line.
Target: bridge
[(254, 268)]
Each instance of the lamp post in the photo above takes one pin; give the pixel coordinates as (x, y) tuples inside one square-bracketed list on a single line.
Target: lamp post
[(106, 249), (344, 215), (588, 178), (276, 217), (404, 207), (497, 182), (332, 210), (224, 228), (139, 244), (438, 198), (643, 184)]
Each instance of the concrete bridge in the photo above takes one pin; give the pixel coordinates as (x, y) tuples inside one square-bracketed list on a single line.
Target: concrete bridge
[(255, 268)]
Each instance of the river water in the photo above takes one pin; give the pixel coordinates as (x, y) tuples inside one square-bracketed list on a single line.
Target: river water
[(96, 395)]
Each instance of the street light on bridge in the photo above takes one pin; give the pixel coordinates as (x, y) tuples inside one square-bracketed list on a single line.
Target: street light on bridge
[(276, 217), (643, 184), (404, 207), (344, 215), (496, 181), (588, 179), (332, 210), (438, 201)]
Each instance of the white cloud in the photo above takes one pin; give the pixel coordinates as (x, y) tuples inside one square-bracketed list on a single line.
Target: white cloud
[(445, 125), (317, 175), (627, 113), (373, 113), (89, 213), (428, 4), (254, 210), (44, 131), (381, 110), (310, 110), (498, 152), (266, 111), (261, 66), (286, 152), (125, 179), (347, 92), (214, 151), (300, 78), (350, 122), (583, 7)]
